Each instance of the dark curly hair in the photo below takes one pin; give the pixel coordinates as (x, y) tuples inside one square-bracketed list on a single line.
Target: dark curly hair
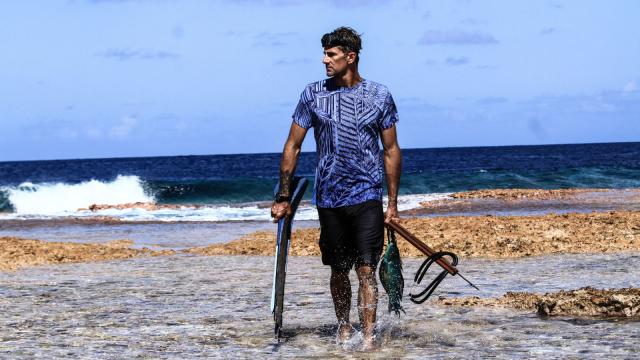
[(345, 38)]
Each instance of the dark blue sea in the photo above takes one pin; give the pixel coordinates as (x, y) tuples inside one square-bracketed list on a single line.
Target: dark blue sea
[(229, 187), (190, 306)]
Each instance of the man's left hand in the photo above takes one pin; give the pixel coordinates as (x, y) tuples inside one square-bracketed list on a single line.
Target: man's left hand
[(280, 210), (391, 213)]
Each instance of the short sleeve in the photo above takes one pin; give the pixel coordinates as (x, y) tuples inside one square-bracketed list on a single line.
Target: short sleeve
[(389, 113), (302, 114)]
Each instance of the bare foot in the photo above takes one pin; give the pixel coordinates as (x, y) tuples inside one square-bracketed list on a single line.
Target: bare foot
[(345, 330), (369, 343)]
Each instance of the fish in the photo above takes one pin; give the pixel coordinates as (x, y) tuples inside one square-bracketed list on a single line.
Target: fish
[(390, 273)]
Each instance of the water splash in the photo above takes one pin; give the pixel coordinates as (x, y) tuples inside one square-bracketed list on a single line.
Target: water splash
[(60, 199)]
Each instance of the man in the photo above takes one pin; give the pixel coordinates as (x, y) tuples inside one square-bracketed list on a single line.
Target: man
[(349, 115)]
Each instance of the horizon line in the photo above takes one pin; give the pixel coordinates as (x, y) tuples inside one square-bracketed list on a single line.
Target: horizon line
[(263, 153)]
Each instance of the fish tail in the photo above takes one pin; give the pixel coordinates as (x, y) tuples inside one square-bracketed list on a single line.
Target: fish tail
[(396, 309)]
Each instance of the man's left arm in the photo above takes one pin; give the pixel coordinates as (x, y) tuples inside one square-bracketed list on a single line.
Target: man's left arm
[(393, 168)]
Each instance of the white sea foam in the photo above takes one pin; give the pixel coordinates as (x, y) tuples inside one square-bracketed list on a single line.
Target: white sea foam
[(60, 199), (408, 202), (45, 201), (209, 213)]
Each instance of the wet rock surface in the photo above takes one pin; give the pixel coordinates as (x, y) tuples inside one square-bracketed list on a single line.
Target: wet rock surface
[(530, 201), (17, 253), (584, 302), (511, 194), (479, 236), (467, 236)]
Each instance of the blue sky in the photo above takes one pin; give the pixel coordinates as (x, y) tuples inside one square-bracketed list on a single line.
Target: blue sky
[(112, 78)]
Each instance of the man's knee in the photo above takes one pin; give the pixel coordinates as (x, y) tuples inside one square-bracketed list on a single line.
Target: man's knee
[(339, 273), (366, 274), (365, 269)]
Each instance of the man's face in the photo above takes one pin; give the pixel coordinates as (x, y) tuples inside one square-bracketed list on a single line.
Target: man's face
[(336, 61)]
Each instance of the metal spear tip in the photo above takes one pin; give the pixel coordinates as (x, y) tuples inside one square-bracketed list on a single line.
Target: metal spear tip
[(468, 282)]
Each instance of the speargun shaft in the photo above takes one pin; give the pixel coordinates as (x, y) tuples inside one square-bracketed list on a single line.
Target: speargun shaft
[(425, 249)]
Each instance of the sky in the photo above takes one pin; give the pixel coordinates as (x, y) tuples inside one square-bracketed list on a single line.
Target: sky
[(122, 78)]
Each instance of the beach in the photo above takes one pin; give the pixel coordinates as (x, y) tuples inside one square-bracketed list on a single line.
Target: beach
[(112, 299), (480, 236), (483, 237), (196, 306), (172, 269), (18, 253), (145, 144), (472, 236)]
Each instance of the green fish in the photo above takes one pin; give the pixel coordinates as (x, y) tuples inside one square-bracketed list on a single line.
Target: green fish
[(390, 273)]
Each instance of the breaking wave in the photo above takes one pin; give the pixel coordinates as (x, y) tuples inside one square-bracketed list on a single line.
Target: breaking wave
[(52, 200), (61, 199)]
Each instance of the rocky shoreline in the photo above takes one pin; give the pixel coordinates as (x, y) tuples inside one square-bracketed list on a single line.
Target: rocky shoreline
[(467, 236), (479, 236), (16, 253), (512, 194), (530, 201), (584, 302)]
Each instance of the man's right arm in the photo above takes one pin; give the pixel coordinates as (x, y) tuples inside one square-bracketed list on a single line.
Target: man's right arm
[(292, 148)]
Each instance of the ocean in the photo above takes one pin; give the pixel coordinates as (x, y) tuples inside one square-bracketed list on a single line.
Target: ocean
[(193, 306), (221, 188)]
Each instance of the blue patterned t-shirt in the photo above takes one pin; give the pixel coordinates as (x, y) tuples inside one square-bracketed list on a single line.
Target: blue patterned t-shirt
[(347, 124)]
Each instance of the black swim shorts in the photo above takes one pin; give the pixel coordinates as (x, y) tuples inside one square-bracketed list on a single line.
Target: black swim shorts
[(351, 235)]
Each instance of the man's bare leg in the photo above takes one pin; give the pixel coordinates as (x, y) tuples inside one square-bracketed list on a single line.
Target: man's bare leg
[(341, 293), (367, 302)]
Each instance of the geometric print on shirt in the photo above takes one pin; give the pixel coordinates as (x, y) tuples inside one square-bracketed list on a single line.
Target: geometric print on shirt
[(347, 124)]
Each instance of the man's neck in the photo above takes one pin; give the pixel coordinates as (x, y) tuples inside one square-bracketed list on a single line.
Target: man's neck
[(348, 79)]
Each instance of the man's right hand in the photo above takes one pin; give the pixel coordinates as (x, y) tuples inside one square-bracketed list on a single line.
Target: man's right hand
[(280, 210)]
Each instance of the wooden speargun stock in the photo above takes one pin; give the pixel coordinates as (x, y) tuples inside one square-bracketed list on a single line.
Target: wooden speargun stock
[(432, 256)]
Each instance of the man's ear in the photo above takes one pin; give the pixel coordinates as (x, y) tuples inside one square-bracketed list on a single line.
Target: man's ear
[(351, 57)]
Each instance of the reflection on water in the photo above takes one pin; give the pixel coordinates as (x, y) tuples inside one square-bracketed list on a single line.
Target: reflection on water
[(196, 306)]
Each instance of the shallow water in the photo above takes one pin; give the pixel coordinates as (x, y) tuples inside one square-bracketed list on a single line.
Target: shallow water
[(195, 307), (178, 235), (184, 234)]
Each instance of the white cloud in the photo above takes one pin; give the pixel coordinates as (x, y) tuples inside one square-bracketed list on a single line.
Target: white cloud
[(597, 105), (631, 86), (181, 125), (128, 54), (123, 128), (548, 30), (266, 38), (93, 132), (293, 61), (67, 133), (455, 61), (456, 37)]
